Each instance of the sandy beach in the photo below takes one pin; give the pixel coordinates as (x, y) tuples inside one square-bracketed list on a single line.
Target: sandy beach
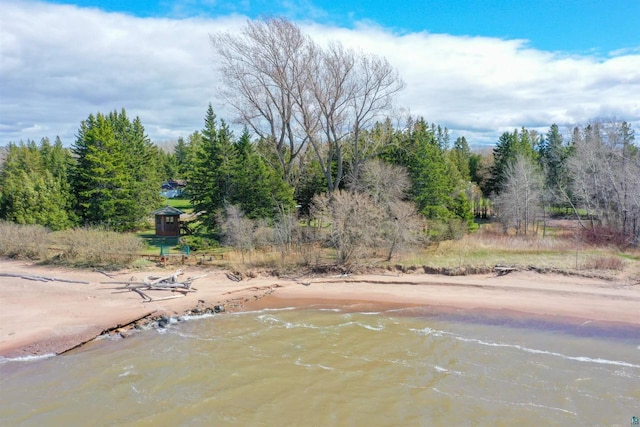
[(54, 316)]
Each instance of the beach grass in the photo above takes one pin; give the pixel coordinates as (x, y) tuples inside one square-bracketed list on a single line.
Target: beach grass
[(476, 252)]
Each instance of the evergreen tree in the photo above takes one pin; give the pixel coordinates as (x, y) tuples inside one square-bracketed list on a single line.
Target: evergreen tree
[(168, 165), (181, 156), (259, 190), (116, 178), (509, 146), (34, 187), (432, 185), (214, 163), (553, 156), (460, 156)]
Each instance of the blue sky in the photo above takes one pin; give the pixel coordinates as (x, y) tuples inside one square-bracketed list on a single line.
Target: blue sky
[(573, 26), (478, 67)]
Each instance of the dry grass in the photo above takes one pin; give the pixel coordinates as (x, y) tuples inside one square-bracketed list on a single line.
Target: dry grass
[(486, 250), (81, 247), (23, 241), (95, 247), (604, 263), (476, 252), (271, 259)]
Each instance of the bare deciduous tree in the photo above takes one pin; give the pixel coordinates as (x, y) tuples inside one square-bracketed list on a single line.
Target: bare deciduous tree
[(520, 199), (373, 215), (604, 173), (263, 68), (291, 92), (238, 230), (354, 220), (285, 230), (387, 186)]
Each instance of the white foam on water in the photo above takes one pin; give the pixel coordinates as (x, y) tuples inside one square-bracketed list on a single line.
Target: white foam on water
[(196, 316), (553, 408), (108, 337), (264, 310), (298, 362), (584, 359), (192, 336), (429, 331), (377, 328), (531, 404), (332, 310), (272, 320), (31, 358), (127, 370), (447, 371)]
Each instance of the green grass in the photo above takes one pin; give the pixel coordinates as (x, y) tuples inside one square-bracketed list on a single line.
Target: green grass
[(154, 243), (183, 204)]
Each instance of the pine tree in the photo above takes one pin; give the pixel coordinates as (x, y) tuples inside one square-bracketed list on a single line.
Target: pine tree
[(143, 163), (509, 146), (34, 185), (181, 155), (432, 183), (460, 156), (259, 190), (116, 179), (213, 167)]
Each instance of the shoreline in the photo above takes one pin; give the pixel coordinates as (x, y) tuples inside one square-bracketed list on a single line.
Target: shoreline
[(40, 318), (500, 317)]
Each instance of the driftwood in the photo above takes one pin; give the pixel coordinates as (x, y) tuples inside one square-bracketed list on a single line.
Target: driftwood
[(42, 278), (173, 278), (105, 273), (165, 283), (503, 270), (233, 277)]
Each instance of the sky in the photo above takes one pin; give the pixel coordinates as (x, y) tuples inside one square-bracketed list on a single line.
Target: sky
[(478, 67)]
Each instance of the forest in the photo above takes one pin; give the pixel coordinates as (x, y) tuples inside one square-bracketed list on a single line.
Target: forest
[(324, 159)]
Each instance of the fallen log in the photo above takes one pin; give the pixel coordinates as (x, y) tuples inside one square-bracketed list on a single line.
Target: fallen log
[(151, 283), (233, 277), (42, 278), (152, 280), (163, 298)]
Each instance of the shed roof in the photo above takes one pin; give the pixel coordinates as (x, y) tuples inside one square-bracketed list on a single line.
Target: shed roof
[(167, 211)]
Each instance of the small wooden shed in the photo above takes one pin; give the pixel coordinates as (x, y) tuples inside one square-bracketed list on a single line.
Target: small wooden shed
[(167, 221)]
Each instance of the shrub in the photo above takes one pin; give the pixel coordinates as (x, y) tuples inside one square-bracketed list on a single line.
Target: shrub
[(96, 247), (23, 241), (198, 243), (604, 263)]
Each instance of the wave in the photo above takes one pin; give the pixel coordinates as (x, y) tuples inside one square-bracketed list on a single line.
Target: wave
[(196, 316), (298, 362), (273, 320), (429, 331), (584, 359), (261, 311), (377, 328), (31, 358)]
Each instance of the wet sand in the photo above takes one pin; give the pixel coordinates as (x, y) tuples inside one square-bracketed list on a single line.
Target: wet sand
[(39, 318)]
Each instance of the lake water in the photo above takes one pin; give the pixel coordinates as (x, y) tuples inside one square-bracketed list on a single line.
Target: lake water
[(335, 367)]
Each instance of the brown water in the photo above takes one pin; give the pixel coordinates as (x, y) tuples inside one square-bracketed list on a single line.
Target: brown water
[(335, 367)]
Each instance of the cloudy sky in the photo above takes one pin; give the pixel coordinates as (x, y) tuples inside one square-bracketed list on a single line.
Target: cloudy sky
[(478, 67)]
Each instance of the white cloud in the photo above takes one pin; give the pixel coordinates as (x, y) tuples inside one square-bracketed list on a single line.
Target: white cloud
[(58, 64)]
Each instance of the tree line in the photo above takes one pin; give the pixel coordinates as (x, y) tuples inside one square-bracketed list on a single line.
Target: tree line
[(109, 177), (321, 142)]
